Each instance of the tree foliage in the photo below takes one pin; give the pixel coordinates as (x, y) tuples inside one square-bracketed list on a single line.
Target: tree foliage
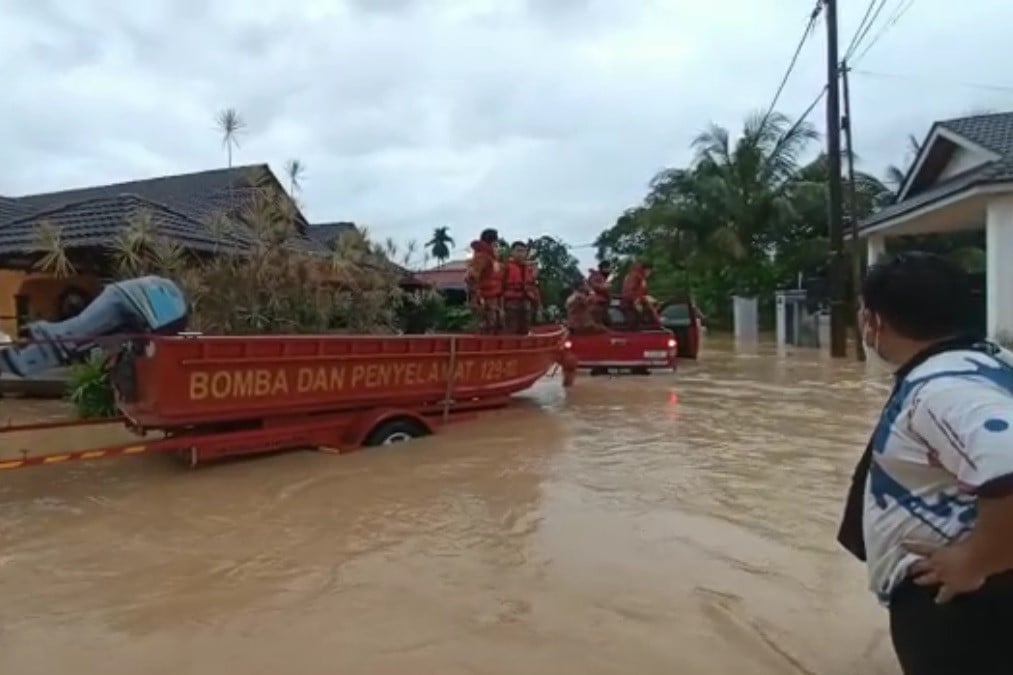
[(747, 216), (441, 244), (558, 269)]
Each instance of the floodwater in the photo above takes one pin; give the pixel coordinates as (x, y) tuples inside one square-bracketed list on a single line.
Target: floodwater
[(667, 524)]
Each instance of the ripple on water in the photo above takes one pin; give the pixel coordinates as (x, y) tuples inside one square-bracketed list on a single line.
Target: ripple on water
[(664, 524)]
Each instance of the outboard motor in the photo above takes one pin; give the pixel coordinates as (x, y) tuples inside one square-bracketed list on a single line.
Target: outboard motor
[(150, 305)]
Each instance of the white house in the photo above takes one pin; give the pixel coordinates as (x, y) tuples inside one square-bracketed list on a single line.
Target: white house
[(962, 179)]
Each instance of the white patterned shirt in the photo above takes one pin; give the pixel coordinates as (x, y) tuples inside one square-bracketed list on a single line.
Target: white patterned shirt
[(945, 436)]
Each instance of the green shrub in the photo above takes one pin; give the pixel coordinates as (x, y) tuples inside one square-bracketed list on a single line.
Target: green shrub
[(455, 320), (90, 389)]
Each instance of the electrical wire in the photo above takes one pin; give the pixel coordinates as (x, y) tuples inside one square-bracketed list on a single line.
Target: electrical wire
[(918, 78), (808, 111), (794, 58), (860, 35), (858, 30), (902, 8)]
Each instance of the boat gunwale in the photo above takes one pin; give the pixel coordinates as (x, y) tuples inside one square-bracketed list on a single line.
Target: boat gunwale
[(558, 333)]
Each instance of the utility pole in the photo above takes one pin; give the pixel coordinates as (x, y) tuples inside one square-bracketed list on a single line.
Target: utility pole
[(838, 292), (856, 248)]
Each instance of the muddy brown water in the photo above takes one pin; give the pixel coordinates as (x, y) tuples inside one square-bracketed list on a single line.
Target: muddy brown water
[(669, 524)]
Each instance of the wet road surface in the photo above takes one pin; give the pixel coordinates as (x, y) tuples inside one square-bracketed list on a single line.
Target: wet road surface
[(666, 524)]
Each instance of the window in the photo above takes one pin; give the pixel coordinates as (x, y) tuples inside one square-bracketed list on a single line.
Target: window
[(616, 317), (676, 314)]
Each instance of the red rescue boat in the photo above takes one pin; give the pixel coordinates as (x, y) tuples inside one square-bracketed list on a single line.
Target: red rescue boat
[(214, 396)]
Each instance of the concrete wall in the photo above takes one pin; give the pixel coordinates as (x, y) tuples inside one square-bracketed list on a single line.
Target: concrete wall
[(962, 160), (43, 293)]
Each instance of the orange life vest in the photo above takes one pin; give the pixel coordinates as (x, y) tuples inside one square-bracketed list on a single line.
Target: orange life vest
[(635, 284), (484, 272), (518, 281)]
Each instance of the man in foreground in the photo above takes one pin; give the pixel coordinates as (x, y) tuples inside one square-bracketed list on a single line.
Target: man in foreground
[(931, 504)]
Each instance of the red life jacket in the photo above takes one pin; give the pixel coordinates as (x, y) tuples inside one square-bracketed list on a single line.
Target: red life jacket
[(518, 280), (490, 279)]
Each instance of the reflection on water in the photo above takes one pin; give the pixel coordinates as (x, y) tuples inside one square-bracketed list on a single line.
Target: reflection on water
[(670, 524)]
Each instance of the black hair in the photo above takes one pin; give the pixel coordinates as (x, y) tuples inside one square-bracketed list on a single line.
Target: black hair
[(522, 244), (923, 296), (489, 236), (604, 264)]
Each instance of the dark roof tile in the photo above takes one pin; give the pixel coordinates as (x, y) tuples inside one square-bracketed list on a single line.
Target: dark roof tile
[(992, 131), (977, 176), (328, 233), (182, 192), (9, 209), (100, 221)]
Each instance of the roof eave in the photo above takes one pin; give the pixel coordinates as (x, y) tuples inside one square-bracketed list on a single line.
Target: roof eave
[(983, 187)]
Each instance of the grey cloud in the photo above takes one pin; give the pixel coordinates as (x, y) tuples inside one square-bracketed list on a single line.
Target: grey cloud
[(538, 116), (382, 6)]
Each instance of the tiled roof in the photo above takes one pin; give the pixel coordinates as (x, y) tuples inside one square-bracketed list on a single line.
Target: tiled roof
[(993, 132), (980, 175), (186, 193), (100, 221), (327, 233), (191, 198), (448, 276), (9, 209)]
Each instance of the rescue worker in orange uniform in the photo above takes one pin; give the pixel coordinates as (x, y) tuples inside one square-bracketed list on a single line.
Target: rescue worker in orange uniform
[(484, 280), (601, 291), (579, 317), (521, 297), (636, 303)]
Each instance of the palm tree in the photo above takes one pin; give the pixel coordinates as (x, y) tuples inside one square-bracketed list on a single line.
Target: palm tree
[(441, 244), (296, 171), (746, 184), (894, 174), (231, 125)]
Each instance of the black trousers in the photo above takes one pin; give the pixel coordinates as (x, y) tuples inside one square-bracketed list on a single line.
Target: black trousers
[(970, 635)]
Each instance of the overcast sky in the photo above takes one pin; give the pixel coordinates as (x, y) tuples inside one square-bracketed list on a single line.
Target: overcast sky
[(534, 116)]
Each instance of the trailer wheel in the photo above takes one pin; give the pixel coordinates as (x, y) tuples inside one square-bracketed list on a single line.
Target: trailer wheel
[(394, 431)]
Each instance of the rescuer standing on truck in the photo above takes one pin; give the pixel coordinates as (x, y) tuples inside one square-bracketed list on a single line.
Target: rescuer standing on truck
[(636, 303), (520, 291), (484, 280), (601, 291), (579, 316)]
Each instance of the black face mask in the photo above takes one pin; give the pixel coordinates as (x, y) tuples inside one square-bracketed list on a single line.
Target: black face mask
[(850, 534)]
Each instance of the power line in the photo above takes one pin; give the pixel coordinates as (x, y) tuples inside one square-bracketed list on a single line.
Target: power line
[(935, 80), (808, 111), (860, 35), (858, 30), (794, 58), (902, 8)]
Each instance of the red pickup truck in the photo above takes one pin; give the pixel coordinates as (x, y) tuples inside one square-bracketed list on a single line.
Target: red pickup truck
[(621, 348)]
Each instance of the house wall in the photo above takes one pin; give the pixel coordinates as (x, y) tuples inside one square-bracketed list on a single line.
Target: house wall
[(43, 293), (962, 160)]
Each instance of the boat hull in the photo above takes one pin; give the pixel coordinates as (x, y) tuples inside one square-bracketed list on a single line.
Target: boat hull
[(172, 382)]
